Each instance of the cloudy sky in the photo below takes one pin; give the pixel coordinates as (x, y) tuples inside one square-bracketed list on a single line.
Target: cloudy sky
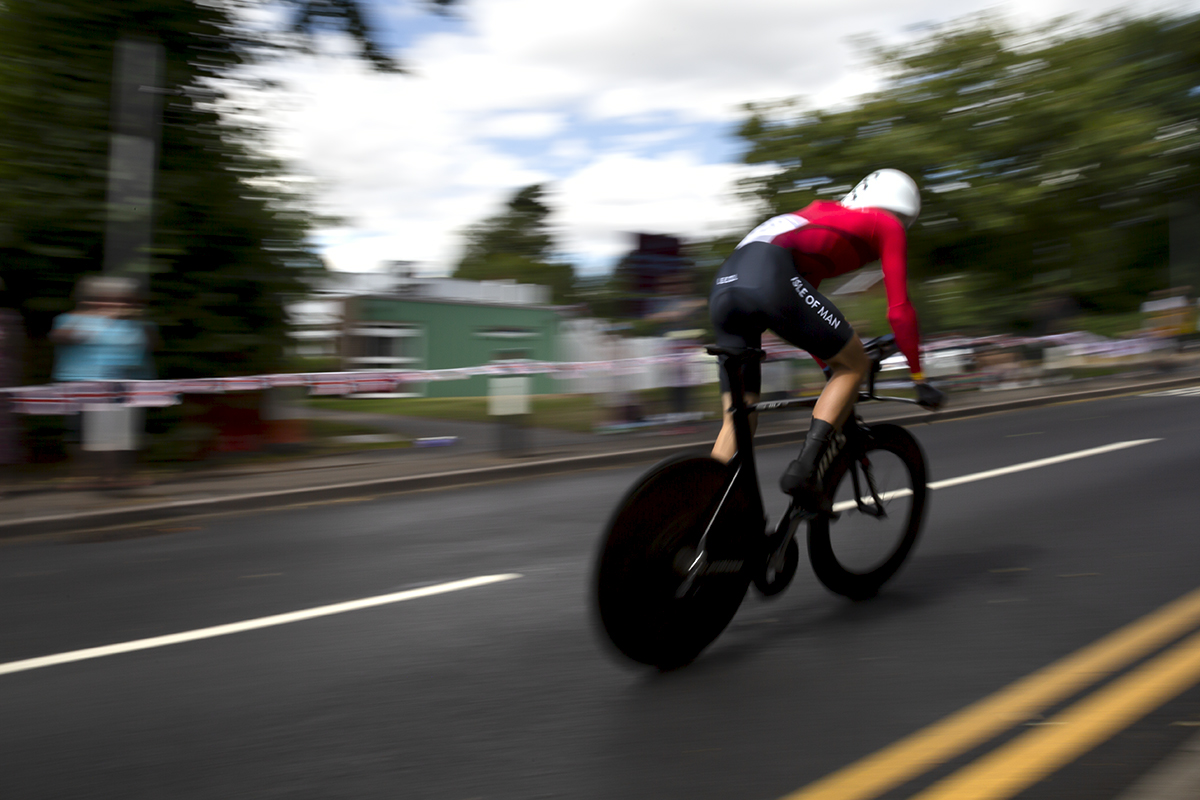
[(624, 108)]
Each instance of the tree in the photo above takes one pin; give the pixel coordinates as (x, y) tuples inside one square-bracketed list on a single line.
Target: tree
[(1048, 159), (516, 244), (309, 16), (231, 235)]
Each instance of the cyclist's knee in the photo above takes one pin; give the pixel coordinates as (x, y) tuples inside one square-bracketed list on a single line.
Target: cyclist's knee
[(852, 358)]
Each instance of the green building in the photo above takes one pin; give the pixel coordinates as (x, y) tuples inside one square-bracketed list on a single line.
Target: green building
[(398, 332)]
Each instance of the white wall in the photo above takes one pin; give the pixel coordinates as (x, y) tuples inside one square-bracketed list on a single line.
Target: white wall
[(587, 340)]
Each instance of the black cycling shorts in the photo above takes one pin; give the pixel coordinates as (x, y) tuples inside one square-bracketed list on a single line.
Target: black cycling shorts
[(758, 289)]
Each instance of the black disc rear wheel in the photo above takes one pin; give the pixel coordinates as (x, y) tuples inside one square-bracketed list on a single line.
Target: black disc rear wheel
[(860, 551), (642, 601)]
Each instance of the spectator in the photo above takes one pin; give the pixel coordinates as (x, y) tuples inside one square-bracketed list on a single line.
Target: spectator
[(679, 377), (102, 340), (12, 341)]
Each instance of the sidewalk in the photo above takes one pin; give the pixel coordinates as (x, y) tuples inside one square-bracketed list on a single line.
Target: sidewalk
[(474, 457)]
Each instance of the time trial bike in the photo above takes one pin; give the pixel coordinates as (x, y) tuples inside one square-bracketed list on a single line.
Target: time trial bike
[(690, 536)]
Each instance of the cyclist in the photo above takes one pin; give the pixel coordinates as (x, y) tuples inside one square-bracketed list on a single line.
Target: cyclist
[(771, 281)]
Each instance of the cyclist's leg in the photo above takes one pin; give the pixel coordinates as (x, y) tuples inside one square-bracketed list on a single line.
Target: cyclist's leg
[(849, 368), (726, 445), (803, 477), (738, 322), (807, 319)]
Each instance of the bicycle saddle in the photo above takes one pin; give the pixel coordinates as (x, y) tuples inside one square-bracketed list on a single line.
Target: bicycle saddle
[(737, 353)]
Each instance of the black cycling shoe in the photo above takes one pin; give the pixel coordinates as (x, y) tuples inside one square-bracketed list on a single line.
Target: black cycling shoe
[(798, 480), (807, 490), (802, 478)]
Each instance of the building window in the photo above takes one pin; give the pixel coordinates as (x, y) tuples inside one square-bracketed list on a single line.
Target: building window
[(385, 346), (507, 333)]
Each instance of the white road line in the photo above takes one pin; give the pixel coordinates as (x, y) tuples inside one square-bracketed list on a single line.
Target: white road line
[(455, 586), (250, 624), (1041, 462), (1191, 391), (995, 473)]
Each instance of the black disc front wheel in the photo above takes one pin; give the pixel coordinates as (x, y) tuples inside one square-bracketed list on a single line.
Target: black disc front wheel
[(646, 604), (878, 492)]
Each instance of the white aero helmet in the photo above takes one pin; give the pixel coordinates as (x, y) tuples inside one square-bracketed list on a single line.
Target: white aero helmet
[(889, 189)]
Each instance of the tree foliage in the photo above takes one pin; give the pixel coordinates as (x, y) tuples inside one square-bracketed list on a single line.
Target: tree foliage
[(517, 244), (230, 233), (311, 16), (1046, 160)]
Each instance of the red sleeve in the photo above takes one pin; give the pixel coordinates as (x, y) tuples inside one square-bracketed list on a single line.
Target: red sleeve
[(893, 255)]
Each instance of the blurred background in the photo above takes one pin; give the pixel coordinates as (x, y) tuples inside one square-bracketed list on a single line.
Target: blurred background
[(305, 187), (304, 279)]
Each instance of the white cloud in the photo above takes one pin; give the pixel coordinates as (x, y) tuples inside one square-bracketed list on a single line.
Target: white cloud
[(527, 91), (621, 194), (524, 125), (569, 150)]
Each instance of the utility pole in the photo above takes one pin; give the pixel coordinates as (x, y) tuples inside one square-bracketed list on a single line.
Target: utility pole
[(133, 157)]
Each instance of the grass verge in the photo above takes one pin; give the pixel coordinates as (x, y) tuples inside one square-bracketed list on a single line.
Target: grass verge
[(570, 412)]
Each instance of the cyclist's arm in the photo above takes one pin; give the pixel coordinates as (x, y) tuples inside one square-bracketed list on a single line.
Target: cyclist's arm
[(893, 254)]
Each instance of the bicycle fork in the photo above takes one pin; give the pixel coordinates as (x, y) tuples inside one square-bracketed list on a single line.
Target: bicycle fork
[(876, 510), (858, 435)]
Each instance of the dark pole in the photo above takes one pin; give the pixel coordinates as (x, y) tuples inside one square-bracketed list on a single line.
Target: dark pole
[(137, 76)]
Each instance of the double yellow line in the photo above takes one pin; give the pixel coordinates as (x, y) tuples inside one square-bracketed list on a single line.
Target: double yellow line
[(1026, 759)]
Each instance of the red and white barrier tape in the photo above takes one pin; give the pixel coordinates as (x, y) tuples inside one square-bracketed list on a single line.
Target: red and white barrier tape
[(67, 398)]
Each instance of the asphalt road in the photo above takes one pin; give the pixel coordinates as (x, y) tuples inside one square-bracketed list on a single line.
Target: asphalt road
[(503, 690)]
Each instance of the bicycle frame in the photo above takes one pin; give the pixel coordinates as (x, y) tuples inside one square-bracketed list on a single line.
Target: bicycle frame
[(743, 462), (745, 471)]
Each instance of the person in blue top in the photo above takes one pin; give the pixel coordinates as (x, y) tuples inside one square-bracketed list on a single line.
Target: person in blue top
[(103, 340), (99, 341)]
